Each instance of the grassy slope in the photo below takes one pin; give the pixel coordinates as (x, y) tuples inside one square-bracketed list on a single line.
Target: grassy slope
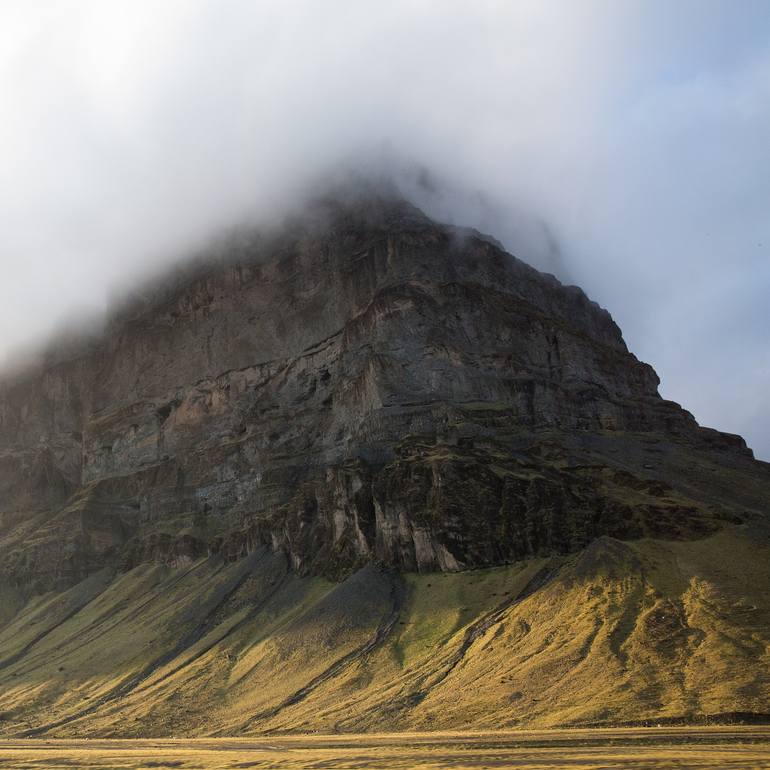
[(619, 632)]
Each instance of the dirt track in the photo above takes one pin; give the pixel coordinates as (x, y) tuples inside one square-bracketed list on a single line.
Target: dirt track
[(717, 747)]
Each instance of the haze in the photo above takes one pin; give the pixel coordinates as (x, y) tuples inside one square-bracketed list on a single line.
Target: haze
[(622, 146)]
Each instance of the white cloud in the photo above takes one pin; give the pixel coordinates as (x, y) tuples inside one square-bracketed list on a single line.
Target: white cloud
[(636, 131)]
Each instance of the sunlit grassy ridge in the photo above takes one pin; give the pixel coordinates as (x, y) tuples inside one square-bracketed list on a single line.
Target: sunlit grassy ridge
[(620, 632)]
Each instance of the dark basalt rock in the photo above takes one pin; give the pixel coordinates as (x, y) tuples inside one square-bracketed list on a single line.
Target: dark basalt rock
[(363, 385)]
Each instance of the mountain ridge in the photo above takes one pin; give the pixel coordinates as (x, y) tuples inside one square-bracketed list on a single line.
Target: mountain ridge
[(363, 311), (370, 474)]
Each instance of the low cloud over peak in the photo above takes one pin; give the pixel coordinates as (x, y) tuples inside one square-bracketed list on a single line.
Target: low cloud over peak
[(622, 146)]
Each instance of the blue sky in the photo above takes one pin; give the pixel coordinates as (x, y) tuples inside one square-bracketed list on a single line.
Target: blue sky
[(633, 135)]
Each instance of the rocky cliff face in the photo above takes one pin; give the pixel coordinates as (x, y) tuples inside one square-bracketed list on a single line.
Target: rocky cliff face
[(363, 385)]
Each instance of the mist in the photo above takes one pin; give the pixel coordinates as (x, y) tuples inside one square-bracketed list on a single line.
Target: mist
[(621, 146)]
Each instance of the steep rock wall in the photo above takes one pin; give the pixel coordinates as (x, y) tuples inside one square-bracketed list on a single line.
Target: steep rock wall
[(362, 385)]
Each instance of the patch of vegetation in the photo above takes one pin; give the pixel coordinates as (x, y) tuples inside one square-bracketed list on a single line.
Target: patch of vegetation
[(618, 632)]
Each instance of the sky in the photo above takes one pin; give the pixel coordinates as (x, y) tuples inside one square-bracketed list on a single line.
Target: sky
[(622, 145)]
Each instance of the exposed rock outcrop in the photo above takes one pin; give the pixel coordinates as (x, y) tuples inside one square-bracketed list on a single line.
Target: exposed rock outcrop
[(361, 385)]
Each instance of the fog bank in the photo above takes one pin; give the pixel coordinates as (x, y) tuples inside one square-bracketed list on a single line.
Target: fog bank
[(621, 146)]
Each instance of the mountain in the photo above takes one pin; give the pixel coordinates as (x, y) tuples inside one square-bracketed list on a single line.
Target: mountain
[(367, 471)]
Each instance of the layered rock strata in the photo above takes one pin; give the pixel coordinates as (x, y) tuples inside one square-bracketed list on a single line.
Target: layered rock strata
[(361, 385)]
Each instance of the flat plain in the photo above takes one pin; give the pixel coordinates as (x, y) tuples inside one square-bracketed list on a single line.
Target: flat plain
[(706, 747)]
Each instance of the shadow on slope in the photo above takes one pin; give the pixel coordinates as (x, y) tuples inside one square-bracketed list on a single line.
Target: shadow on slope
[(619, 632)]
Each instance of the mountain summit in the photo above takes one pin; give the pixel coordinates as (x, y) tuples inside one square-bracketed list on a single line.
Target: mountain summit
[(345, 401)]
